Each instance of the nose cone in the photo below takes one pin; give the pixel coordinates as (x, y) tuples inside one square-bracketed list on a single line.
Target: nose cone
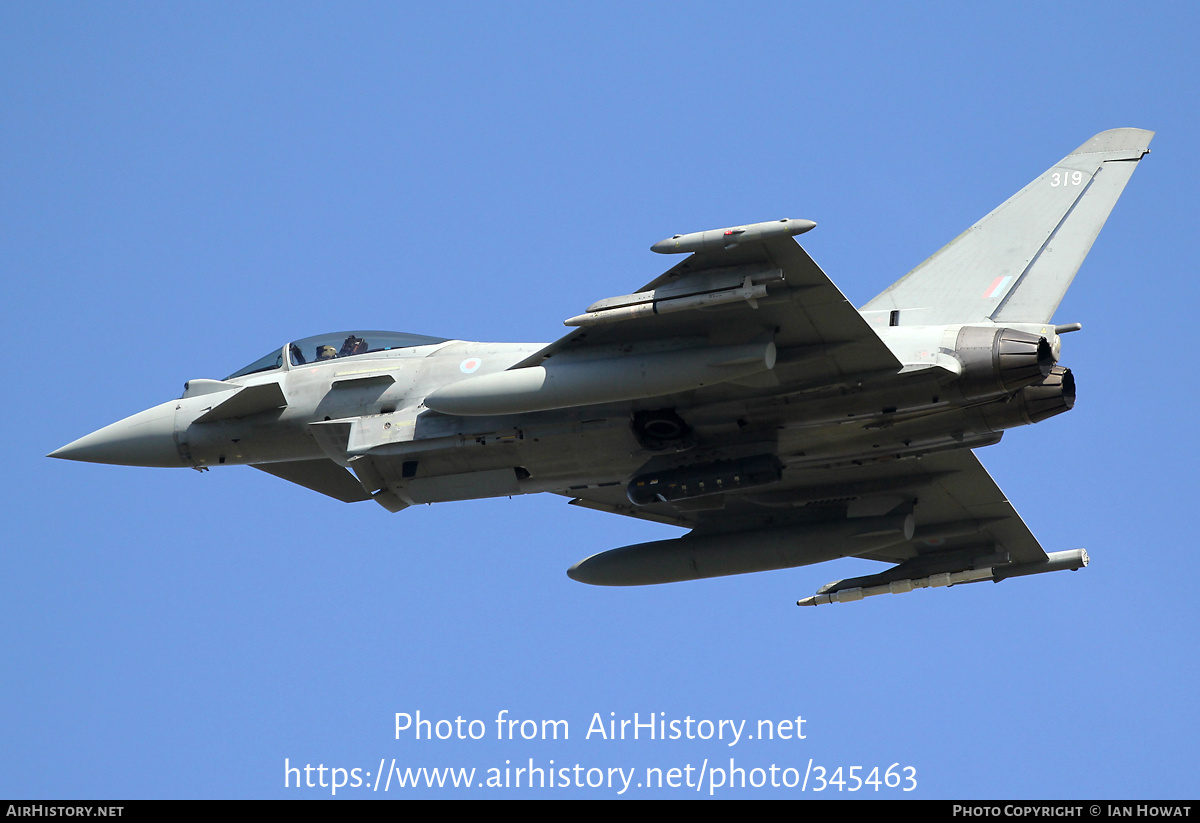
[(144, 439)]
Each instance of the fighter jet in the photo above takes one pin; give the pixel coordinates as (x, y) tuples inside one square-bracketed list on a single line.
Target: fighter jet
[(739, 396)]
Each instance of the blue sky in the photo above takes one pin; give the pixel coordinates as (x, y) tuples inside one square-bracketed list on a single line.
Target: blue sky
[(186, 187)]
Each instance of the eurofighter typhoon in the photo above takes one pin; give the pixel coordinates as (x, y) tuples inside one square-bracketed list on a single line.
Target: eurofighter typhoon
[(739, 396)]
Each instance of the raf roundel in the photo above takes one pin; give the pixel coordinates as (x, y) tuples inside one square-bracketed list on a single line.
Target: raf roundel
[(470, 365)]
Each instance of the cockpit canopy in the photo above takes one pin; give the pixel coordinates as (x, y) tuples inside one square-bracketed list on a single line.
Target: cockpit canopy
[(335, 345)]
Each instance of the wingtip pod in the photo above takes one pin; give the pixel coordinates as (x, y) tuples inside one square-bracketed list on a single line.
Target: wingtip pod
[(1133, 142), (1072, 560), (730, 237)]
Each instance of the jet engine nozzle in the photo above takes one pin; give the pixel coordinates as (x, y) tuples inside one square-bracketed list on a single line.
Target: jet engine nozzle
[(1001, 360), (1054, 394)]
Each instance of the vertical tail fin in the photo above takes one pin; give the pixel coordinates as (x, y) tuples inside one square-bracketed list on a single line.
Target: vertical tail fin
[(1016, 264)]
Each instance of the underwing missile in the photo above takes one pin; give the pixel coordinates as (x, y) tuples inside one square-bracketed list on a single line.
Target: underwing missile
[(1055, 561)]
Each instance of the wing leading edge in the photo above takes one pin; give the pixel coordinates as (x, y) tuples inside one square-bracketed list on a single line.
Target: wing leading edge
[(794, 303)]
